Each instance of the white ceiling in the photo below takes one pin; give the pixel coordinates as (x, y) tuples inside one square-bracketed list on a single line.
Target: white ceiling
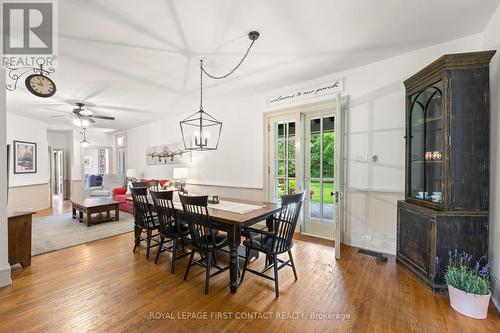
[(144, 55)]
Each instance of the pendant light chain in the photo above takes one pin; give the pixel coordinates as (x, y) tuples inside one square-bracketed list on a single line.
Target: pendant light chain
[(232, 70), (201, 120)]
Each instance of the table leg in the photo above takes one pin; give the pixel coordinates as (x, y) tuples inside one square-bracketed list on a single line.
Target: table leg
[(234, 240), (74, 212), (89, 218), (117, 213), (81, 216)]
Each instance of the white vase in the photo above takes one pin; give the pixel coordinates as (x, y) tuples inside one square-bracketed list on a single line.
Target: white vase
[(471, 305)]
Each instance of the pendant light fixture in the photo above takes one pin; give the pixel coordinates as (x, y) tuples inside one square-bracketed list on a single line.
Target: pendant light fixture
[(201, 131)]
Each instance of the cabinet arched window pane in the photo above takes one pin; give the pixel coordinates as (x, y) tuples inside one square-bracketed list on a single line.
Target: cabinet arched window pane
[(426, 144)]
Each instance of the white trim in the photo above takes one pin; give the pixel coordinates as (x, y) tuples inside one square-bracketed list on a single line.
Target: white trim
[(495, 292), (227, 185), (374, 190), (5, 279)]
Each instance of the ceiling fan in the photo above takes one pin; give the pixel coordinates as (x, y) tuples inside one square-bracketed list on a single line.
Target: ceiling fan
[(82, 116)]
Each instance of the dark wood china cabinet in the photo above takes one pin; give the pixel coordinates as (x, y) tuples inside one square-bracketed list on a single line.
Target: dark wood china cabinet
[(447, 164)]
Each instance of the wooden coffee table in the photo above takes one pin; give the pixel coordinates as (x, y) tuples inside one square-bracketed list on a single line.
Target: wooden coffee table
[(100, 206)]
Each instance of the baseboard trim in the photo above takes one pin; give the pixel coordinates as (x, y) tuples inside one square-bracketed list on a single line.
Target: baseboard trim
[(495, 292), (5, 278)]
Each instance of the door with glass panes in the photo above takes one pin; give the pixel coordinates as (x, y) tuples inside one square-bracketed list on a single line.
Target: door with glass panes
[(282, 168), (319, 174)]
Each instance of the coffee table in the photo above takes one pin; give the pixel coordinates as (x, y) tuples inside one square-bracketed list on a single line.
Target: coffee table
[(95, 206)]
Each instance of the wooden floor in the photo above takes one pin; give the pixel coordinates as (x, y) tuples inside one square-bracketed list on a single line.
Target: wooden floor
[(104, 287)]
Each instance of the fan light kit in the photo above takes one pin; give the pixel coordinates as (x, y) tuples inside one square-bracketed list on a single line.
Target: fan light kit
[(84, 143), (83, 117), (200, 131)]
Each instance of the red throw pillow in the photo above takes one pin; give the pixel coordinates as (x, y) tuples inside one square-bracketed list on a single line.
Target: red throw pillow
[(163, 181)]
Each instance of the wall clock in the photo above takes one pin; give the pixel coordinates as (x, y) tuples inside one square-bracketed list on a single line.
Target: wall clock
[(40, 85)]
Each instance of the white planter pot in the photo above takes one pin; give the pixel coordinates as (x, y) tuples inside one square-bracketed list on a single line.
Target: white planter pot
[(471, 305)]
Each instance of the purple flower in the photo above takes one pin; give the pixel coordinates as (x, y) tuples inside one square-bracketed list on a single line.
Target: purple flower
[(476, 268), (484, 270), (436, 260)]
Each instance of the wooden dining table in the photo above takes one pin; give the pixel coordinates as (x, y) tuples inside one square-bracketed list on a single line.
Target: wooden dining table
[(232, 223)]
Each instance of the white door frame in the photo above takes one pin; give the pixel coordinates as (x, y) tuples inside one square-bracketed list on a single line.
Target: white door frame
[(338, 103)]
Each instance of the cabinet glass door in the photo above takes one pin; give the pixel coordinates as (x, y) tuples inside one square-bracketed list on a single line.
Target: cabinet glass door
[(426, 149)]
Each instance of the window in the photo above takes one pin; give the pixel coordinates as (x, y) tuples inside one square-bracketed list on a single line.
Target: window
[(121, 149)]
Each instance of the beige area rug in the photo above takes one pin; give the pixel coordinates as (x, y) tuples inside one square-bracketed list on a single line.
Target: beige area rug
[(57, 232)]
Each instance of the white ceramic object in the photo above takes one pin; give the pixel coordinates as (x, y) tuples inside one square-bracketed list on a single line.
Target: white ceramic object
[(471, 305)]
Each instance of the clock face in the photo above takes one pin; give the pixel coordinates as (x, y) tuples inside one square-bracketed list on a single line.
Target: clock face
[(40, 85)]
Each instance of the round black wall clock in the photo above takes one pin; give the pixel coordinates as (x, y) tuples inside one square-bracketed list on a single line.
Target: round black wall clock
[(40, 85)]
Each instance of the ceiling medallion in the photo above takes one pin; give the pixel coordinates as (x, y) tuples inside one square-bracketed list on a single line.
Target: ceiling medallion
[(201, 131)]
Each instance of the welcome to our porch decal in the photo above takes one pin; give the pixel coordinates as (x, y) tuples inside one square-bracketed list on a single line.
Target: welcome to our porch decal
[(329, 88)]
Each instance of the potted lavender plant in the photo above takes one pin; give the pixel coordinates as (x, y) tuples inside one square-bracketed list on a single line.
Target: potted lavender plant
[(468, 285)]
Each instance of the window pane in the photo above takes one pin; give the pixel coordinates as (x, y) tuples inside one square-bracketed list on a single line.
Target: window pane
[(291, 130), (315, 148), (328, 147), (291, 168), (328, 200), (281, 168), (291, 186), (281, 147), (280, 185), (281, 130)]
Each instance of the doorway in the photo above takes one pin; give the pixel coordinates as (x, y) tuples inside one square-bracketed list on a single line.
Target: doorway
[(57, 177), (304, 151)]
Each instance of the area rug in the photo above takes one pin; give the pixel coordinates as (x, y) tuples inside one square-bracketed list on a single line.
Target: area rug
[(57, 232)]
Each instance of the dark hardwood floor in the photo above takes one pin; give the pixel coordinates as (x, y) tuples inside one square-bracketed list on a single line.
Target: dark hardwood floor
[(103, 287)]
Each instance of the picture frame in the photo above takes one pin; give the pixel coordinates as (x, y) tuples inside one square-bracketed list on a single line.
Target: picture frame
[(25, 157)]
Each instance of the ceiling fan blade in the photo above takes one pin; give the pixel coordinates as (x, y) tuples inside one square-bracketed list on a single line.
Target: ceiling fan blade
[(101, 117), (91, 120), (54, 110), (61, 116)]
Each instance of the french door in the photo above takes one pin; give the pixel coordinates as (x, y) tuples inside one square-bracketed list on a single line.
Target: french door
[(319, 176), (283, 142), (305, 152)]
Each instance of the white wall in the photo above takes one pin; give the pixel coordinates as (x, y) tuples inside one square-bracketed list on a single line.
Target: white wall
[(25, 129), (492, 41), (376, 117), (4, 256)]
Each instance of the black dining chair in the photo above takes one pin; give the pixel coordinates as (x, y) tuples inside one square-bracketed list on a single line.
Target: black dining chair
[(144, 219), (277, 240), (171, 227), (204, 238)]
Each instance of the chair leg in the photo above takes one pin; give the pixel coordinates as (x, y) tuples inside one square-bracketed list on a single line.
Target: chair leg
[(247, 258), (174, 255), (189, 265), (207, 277), (162, 240), (149, 232), (293, 264), (137, 241), (182, 244), (276, 281)]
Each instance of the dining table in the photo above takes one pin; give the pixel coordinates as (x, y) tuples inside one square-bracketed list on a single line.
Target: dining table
[(231, 215)]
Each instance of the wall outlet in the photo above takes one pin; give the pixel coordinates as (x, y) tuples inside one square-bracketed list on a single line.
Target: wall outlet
[(367, 238)]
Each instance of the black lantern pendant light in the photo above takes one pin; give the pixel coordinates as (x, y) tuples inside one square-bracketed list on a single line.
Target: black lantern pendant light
[(200, 131)]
